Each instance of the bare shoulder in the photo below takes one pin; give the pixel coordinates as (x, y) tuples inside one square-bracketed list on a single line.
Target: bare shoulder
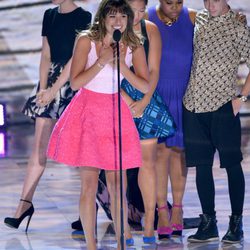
[(192, 15), (151, 28), (150, 25), (83, 43), (83, 38)]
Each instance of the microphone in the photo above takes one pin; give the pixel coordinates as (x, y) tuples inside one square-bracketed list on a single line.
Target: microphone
[(117, 35)]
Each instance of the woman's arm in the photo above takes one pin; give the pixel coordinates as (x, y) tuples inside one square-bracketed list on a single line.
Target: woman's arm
[(192, 15), (63, 78), (79, 76), (127, 98), (139, 79), (44, 63), (154, 59), (44, 97)]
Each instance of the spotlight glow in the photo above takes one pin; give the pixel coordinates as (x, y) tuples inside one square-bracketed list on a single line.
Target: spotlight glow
[(2, 144), (2, 115)]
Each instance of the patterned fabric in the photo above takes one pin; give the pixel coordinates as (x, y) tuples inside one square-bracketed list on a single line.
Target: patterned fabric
[(156, 120), (54, 109), (103, 197), (60, 30), (102, 194), (219, 45)]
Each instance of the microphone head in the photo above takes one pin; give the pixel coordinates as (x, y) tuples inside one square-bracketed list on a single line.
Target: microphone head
[(117, 35)]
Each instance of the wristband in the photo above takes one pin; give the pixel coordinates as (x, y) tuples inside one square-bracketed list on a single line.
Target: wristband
[(243, 98), (101, 66)]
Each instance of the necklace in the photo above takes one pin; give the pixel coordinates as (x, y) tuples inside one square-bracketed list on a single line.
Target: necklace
[(137, 32), (168, 22), (141, 37)]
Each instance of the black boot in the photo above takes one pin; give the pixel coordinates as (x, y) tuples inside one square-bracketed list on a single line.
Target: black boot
[(207, 230), (234, 233)]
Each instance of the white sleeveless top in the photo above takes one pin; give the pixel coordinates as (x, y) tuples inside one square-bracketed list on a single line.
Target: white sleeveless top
[(106, 80)]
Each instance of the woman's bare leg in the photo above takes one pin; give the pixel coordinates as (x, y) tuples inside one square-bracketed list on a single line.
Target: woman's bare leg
[(162, 172), (113, 184), (147, 183), (178, 177), (89, 183), (37, 161)]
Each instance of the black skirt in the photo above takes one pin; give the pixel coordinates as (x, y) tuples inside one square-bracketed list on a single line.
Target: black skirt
[(54, 109)]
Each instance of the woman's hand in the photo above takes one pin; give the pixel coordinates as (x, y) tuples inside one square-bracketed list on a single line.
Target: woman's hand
[(106, 55), (236, 104), (137, 108), (45, 97), (241, 17), (126, 98), (122, 51)]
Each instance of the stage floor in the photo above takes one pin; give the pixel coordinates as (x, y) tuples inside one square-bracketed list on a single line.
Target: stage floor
[(56, 198), (56, 204)]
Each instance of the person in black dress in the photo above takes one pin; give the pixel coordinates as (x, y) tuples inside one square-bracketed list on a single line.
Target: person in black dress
[(51, 95)]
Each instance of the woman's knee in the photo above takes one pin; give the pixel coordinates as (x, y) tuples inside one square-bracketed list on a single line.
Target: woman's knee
[(148, 163), (163, 153), (89, 184), (88, 192)]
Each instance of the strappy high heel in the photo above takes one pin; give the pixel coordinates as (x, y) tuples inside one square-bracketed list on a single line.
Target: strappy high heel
[(15, 222), (164, 232), (177, 228)]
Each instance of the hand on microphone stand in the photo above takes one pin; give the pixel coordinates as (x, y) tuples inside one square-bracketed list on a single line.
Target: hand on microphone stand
[(122, 54), (121, 49)]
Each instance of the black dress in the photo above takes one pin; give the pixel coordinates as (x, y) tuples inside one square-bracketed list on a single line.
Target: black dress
[(61, 30)]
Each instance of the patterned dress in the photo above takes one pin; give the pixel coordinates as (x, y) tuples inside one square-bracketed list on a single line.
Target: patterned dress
[(156, 121), (176, 61), (60, 30)]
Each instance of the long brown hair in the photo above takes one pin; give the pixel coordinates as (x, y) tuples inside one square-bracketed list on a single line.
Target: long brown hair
[(98, 30)]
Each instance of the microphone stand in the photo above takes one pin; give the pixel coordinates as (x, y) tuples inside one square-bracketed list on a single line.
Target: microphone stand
[(117, 37)]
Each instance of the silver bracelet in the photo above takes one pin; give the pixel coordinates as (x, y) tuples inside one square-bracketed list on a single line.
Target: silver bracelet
[(101, 66)]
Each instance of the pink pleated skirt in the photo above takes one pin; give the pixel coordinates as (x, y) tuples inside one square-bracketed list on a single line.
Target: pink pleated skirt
[(87, 135)]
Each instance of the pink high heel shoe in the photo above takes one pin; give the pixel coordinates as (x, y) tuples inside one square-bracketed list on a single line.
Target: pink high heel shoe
[(177, 228), (164, 232)]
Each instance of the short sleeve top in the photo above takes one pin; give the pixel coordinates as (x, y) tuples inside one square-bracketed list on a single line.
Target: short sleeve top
[(61, 30)]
